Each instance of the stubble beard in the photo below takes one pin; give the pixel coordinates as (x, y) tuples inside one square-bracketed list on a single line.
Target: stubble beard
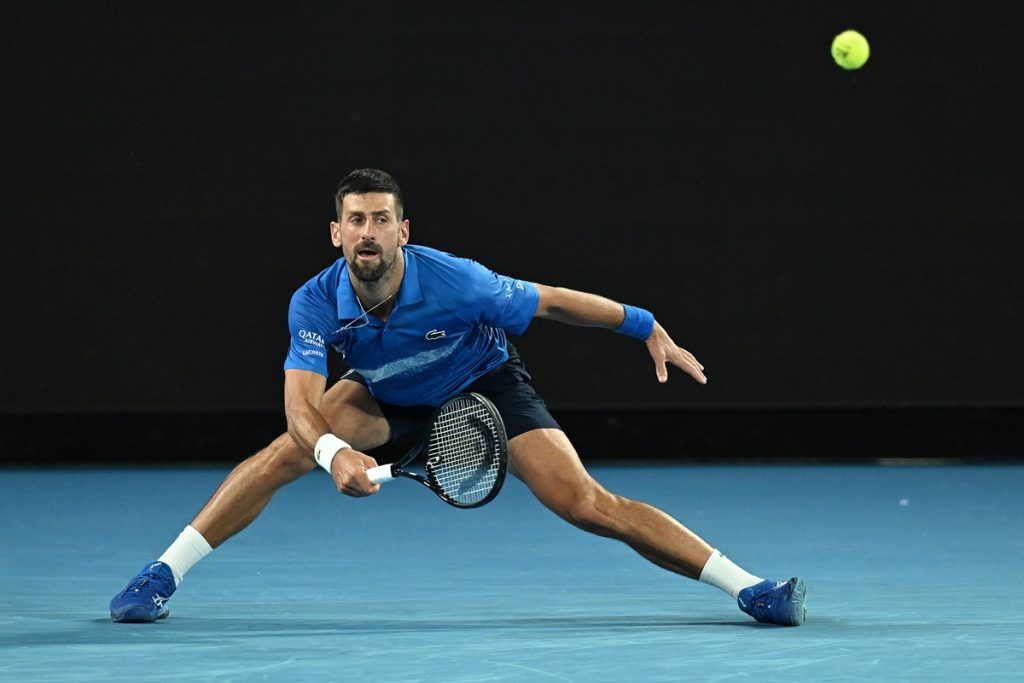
[(369, 272)]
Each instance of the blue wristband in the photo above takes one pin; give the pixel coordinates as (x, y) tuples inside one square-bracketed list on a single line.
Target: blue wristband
[(636, 323)]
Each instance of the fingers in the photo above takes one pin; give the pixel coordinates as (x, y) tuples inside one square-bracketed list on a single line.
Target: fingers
[(660, 369), (685, 362), (664, 351), (691, 367), (358, 486), (691, 358), (350, 476)]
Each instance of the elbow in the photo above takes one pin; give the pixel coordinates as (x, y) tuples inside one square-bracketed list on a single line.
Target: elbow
[(290, 419), (552, 302), (295, 410)]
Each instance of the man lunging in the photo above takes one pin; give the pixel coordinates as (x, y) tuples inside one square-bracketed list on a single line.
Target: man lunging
[(417, 326)]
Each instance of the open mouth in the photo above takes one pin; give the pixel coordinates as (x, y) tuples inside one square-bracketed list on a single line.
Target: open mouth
[(366, 254)]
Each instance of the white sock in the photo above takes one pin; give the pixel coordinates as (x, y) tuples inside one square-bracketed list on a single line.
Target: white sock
[(187, 549), (720, 572)]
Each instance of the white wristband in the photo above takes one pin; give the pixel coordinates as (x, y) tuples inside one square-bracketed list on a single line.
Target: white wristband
[(327, 446)]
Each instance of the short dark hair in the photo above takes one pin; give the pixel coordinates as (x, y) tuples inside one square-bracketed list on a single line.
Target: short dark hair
[(365, 180)]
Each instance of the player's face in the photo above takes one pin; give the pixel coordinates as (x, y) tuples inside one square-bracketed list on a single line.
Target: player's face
[(369, 233)]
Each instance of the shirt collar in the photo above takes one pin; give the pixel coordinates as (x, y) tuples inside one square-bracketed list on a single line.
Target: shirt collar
[(409, 292)]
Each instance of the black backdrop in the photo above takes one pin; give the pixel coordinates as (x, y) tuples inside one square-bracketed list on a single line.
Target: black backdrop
[(820, 239)]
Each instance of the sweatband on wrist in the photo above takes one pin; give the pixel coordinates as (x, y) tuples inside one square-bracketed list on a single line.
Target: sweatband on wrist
[(636, 323), (327, 446)]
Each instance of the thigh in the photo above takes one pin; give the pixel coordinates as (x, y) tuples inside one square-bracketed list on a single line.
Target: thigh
[(545, 460), (354, 415)]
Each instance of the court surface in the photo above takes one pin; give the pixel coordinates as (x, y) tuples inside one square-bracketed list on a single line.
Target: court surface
[(913, 574)]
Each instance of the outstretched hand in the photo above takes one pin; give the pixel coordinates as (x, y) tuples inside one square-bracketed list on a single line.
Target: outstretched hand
[(663, 350)]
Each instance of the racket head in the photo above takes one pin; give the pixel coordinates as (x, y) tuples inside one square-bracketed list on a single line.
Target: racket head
[(466, 451)]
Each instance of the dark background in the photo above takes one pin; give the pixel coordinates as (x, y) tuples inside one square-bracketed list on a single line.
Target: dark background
[(840, 249)]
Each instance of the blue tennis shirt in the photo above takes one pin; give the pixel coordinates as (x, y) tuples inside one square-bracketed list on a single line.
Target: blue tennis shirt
[(446, 330)]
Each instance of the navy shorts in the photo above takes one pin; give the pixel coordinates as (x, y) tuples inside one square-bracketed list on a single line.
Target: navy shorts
[(507, 386)]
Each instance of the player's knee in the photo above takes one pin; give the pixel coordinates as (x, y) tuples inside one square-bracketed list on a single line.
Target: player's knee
[(593, 512), (282, 458)]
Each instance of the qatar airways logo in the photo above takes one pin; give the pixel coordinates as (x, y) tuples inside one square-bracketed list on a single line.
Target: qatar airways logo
[(311, 338), (509, 284)]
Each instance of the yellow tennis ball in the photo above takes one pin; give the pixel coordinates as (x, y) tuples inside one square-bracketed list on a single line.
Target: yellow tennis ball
[(850, 50)]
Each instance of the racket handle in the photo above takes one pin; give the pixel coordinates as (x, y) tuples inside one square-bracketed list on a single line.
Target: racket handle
[(380, 474)]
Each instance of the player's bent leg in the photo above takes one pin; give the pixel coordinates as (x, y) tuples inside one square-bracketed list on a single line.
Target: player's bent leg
[(548, 464), (347, 407), (236, 502), (249, 487)]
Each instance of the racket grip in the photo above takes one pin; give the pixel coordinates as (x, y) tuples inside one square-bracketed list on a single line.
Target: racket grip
[(380, 474)]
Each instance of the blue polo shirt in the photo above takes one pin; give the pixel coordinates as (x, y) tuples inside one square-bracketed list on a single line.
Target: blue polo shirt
[(446, 330)]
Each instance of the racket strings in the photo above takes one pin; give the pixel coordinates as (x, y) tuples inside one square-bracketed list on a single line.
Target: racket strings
[(461, 453)]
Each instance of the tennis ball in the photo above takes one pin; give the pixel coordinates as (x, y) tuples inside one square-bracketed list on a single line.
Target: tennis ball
[(850, 50)]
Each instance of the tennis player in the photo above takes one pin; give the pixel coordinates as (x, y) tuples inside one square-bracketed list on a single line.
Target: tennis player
[(417, 326)]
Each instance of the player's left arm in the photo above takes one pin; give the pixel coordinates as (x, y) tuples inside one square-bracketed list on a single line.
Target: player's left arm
[(590, 310)]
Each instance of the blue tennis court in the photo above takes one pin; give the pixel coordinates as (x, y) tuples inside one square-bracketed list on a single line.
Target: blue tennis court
[(913, 574)]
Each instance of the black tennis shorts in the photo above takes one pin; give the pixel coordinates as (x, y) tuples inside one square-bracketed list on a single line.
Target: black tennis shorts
[(507, 386)]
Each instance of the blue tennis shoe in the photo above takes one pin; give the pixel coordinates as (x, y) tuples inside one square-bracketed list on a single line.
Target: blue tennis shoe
[(776, 602), (144, 597)]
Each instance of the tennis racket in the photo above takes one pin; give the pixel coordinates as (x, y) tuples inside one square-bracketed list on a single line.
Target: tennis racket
[(466, 453)]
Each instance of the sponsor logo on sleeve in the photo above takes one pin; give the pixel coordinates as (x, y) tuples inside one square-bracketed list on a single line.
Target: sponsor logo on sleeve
[(311, 338), (316, 341), (510, 284)]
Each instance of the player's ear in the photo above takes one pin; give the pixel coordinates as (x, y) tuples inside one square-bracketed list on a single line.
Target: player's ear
[(403, 234), (336, 234)]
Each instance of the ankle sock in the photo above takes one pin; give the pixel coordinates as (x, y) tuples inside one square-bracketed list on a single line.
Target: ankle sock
[(722, 573), (187, 549)]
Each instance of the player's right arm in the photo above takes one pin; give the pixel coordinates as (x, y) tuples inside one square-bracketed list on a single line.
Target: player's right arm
[(311, 316), (303, 391), (305, 368)]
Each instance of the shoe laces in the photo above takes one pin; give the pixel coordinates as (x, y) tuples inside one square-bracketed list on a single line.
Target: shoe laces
[(139, 582)]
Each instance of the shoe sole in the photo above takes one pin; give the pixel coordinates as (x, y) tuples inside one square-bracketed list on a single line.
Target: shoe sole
[(138, 616), (799, 596)]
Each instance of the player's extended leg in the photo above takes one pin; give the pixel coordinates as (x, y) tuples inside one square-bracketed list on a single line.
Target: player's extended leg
[(548, 464), (348, 408)]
